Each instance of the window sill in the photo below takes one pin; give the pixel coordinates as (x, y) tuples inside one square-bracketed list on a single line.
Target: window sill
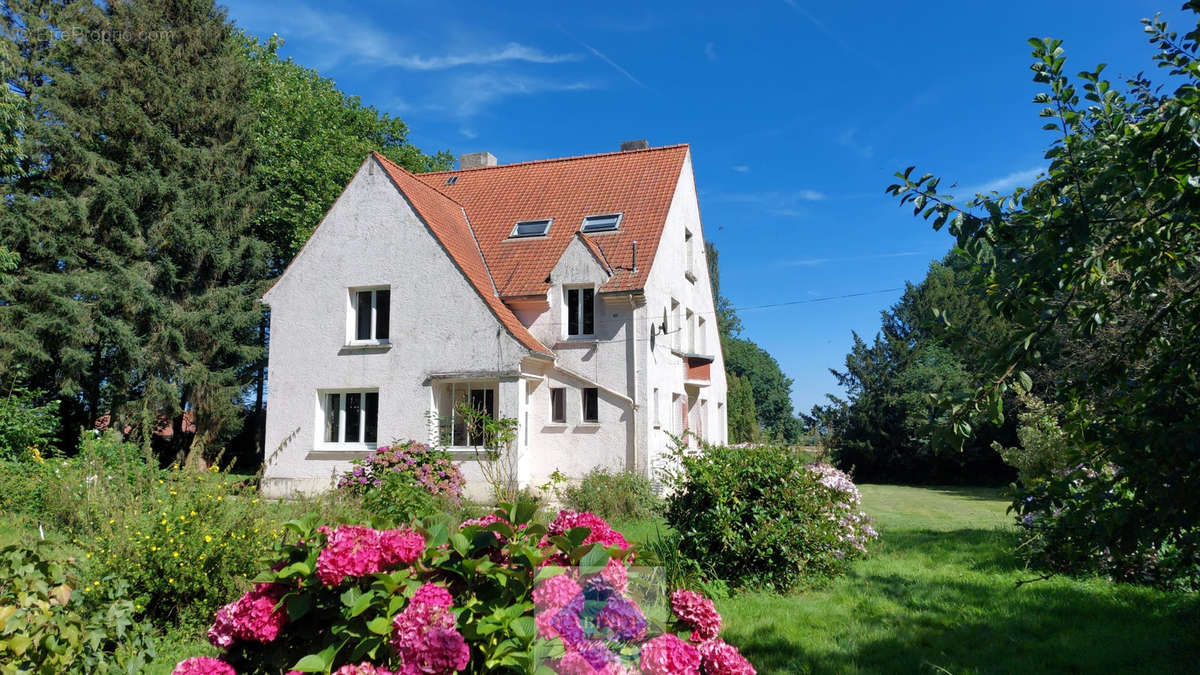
[(340, 452), (577, 341), (554, 426), (588, 425), (365, 347)]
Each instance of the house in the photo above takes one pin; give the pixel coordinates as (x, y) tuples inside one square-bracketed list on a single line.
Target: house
[(569, 294)]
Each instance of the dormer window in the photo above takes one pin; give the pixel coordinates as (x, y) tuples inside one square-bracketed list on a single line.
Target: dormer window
[(602, 223), (532, 228), (581, 311)]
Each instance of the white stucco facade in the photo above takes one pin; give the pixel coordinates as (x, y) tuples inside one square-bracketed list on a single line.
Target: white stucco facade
[(444, 340)]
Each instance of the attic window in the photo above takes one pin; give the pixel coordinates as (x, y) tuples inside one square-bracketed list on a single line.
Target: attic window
[(602, 223), (532, 228), (451, 180)]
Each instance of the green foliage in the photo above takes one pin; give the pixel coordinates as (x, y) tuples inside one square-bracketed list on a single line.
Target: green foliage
[(680, 571), (1044, 449), (399, 499), (28, 423), (757, 518), (728, 322), (312, 139), (495, 455), (621, 495), (742, 415), (405, 480), (132, 214), (771, 388), (1095, 266), (891, 427), (51, 622)]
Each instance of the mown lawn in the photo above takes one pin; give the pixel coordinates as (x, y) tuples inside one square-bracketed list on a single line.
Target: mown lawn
[(939, 594)]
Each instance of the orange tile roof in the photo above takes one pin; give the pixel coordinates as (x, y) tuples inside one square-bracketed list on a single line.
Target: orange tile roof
[(638, 183), (448, 222)]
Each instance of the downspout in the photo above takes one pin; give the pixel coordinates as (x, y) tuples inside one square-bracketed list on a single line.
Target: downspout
[(632, 337)]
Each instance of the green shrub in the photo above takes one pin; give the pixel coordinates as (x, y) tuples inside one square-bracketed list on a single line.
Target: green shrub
[(761, 517), (50, 623), (623, 495), (27, 425), (398, 499)]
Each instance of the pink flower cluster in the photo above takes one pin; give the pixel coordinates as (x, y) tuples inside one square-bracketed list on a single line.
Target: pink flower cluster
[(428, 467), (721, 658), (425, 637), (203, 665), (356, 551), (696, 612), (668, 655), (855, 526), (251, 618), (363, 668), (601, 531)]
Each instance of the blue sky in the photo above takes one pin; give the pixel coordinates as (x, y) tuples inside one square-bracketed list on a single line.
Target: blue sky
[(798, 114)]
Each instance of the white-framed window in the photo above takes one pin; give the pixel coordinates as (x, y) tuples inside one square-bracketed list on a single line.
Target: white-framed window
[(370, 315), (581, 311), (350, 417), (677, 321), (657, 409), (689, 253), (690, 321), (532, 228), (558, 405), (591, 405), (601, 223), (453, 429), (701, 336)]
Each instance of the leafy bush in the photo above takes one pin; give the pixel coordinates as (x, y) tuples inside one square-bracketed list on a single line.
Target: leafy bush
[(404, 480), (1044, 446), (761, 517), (492, 595), (50, 623), (622, 495), (27, 425)]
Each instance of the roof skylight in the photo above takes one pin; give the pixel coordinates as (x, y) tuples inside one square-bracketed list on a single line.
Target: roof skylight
[(532, 228), (451, 180), (601, 223)]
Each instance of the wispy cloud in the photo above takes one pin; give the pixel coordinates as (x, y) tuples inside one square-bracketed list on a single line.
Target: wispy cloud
[(815, 262), (468, 95), (468, 132), (834, 37), (771, 197), (346, 38), (740, 168), (710, 50), (604, 57), (1002, 184), (849, 139)]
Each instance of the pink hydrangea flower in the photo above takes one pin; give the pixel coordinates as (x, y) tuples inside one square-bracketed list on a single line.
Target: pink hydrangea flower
[(356, 551), (601, 531), (668, 655), (721, 658), (616, 574), (203, 665), (251, 618), (425, 637), (363, 668), (696, 612), (554, 593)]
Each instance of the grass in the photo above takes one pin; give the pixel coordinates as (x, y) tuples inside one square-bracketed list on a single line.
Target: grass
[(939, 594)]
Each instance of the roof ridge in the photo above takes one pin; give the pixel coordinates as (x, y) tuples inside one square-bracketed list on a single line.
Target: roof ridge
[(431, 187), (557, 159)]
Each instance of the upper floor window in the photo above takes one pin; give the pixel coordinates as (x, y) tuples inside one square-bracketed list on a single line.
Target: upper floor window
[(689, 254), (581, 312), (532, 228), (370, 312), (602, 223), (351, 417)]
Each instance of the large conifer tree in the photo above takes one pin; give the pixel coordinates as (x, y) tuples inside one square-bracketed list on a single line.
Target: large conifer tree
[(137, 292)]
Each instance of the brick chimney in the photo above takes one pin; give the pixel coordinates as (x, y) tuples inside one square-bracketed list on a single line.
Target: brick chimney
[(472, 160), (640, 144)]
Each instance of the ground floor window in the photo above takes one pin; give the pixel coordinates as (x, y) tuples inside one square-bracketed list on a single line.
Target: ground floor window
[(591, 404), (351, 417), (558, 405), (453, 427)]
